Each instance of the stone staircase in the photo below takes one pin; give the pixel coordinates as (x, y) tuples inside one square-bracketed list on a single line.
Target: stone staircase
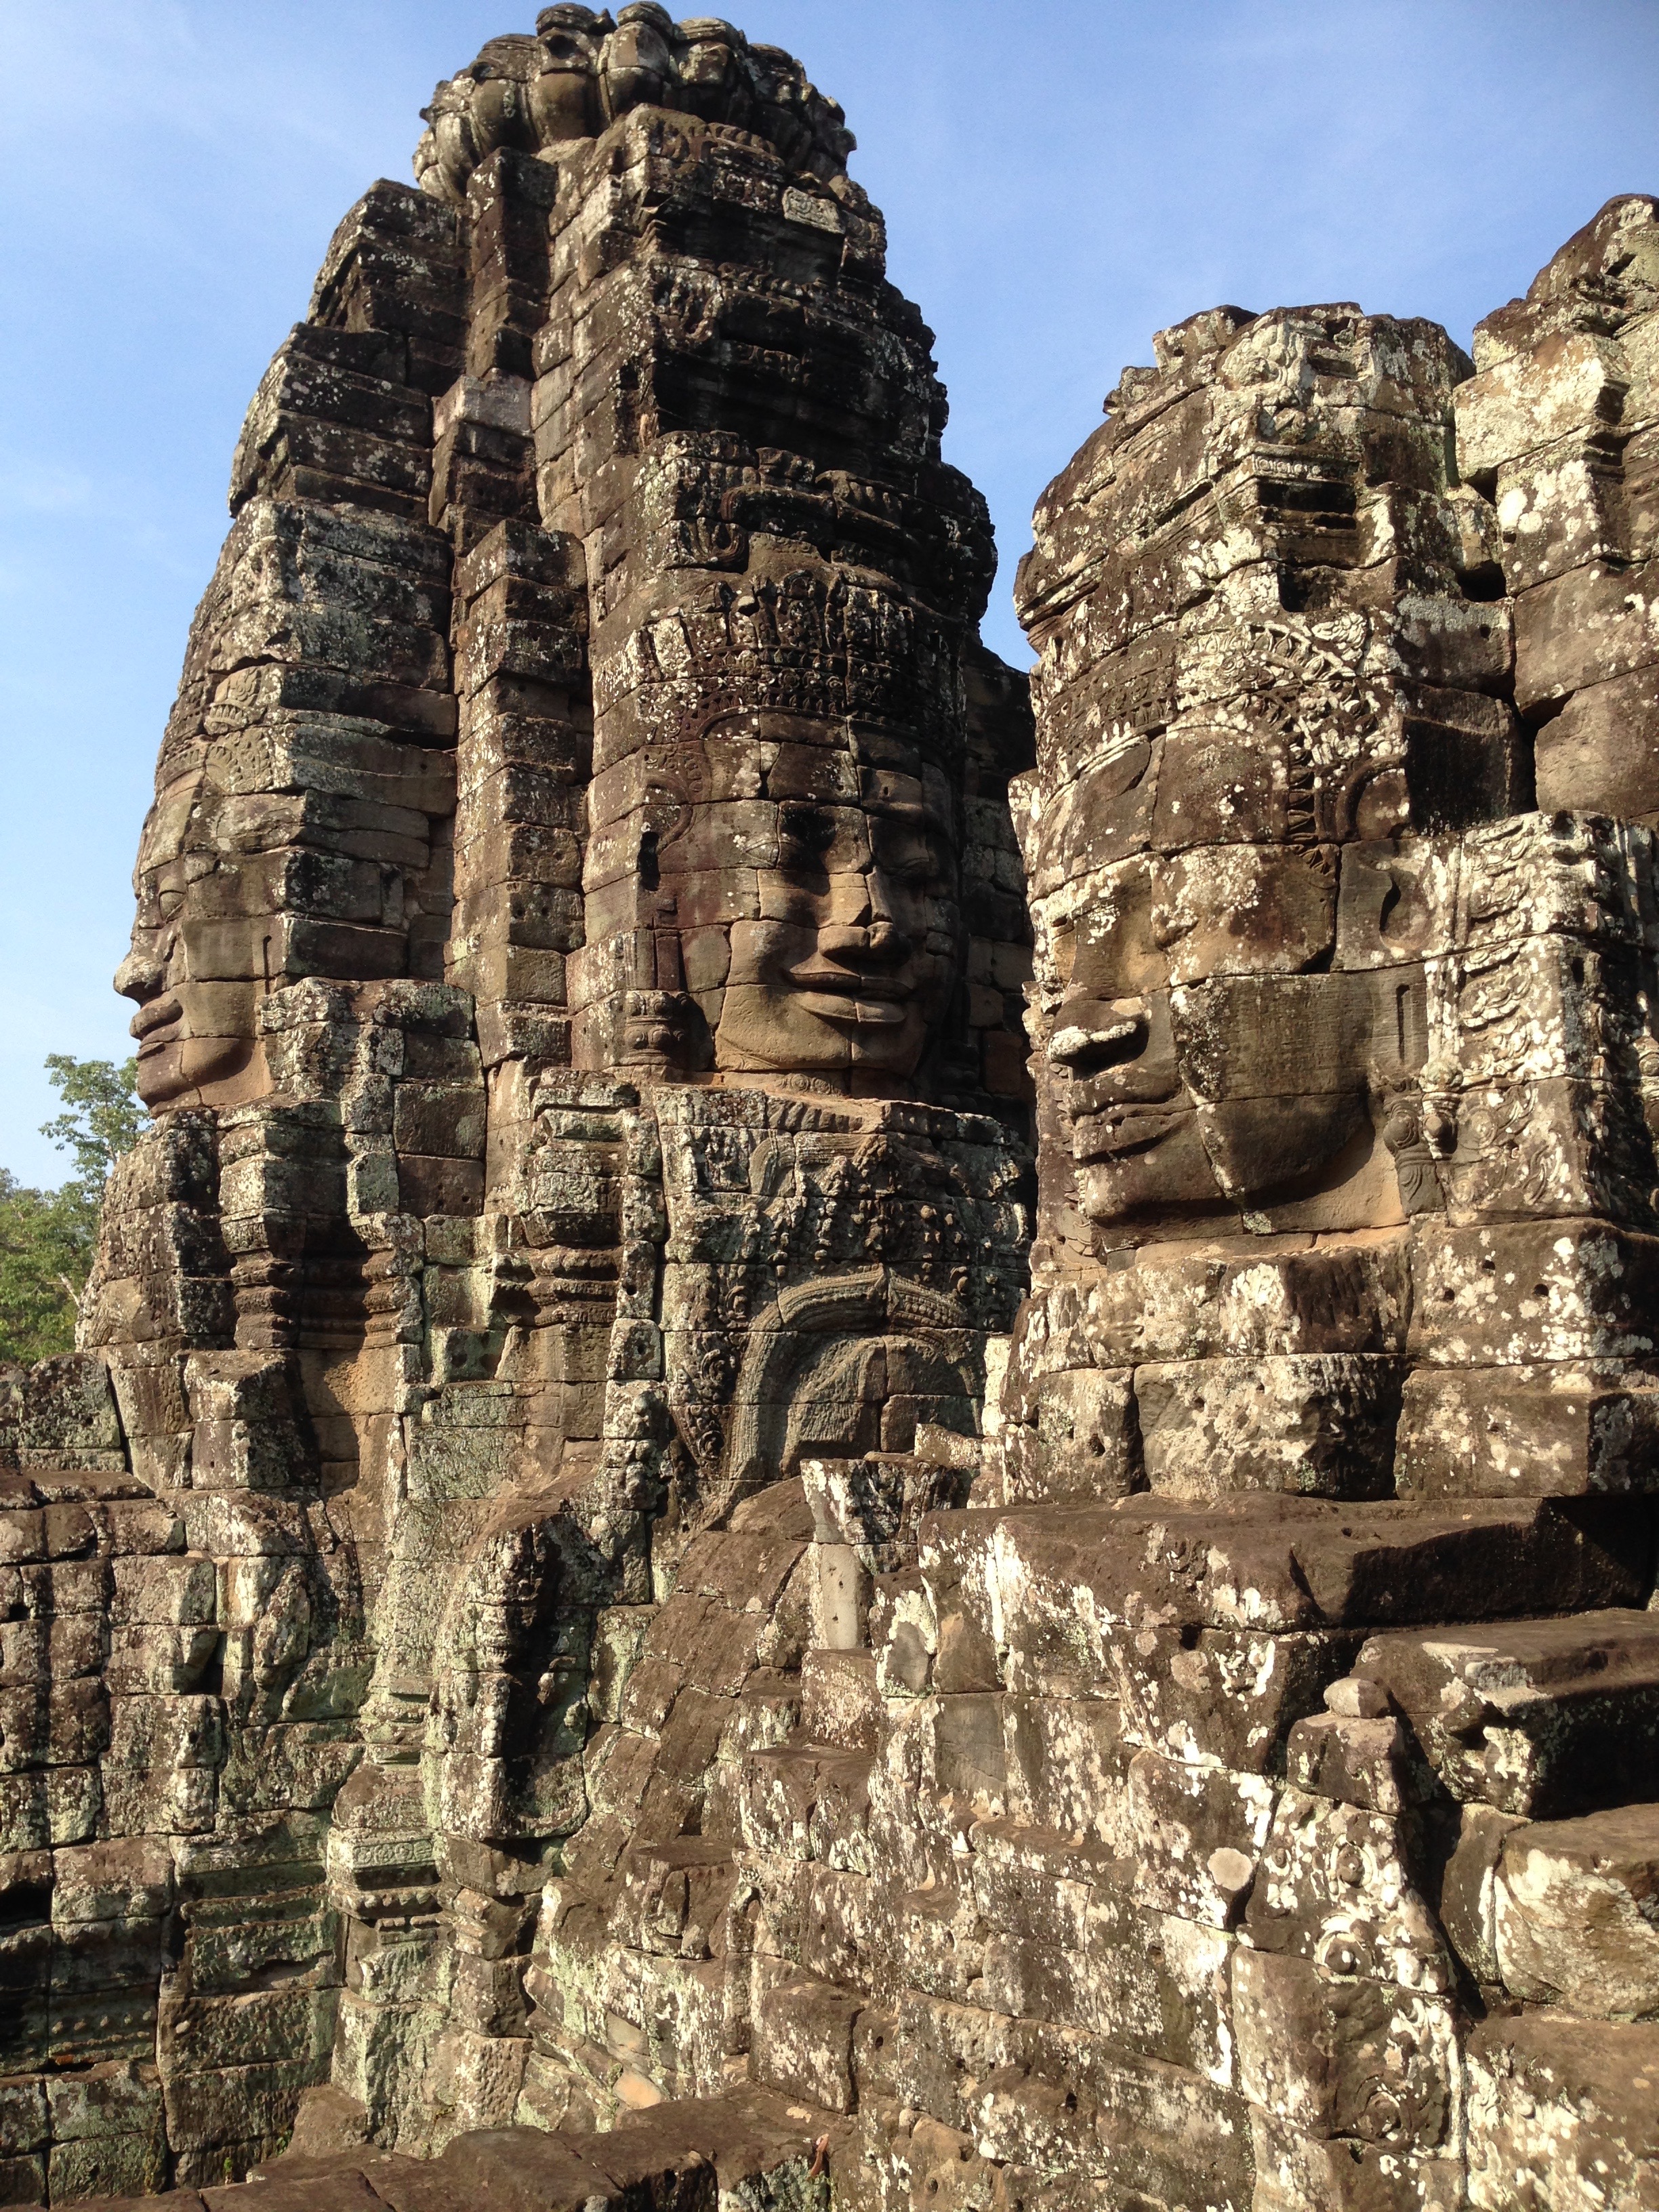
[(1314, 1825)]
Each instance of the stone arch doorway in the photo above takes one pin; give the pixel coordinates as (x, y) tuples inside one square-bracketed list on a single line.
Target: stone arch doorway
[(847, 1367)]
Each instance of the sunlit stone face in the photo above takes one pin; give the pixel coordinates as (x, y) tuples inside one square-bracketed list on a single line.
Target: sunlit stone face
[(196, 972), (850, 963), (1193, 1056)]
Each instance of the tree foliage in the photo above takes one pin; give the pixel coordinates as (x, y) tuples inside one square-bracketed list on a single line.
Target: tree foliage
[(104, 1117), (47, 1237)]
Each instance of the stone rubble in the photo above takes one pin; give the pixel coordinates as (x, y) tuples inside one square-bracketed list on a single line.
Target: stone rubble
[(661, 1578)]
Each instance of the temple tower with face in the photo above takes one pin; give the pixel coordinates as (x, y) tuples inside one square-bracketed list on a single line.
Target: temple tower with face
[(578, 960)]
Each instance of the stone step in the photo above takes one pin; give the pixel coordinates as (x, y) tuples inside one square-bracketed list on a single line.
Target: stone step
[(1537, 1718), (749, 2132), (522, 2170), (673, 2158), (1572, 1905), (1034, 1599), (48, 1482)]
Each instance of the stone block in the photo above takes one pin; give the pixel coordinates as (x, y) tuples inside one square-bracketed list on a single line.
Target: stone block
[(1537, 1718), (24, 2180), (1197, 1835), (841, 1703), (1331, 2056), (446, 1186), (1517, 1293), (1356, 1759), (1599, 750), (1222, 1696), (1573, 1912), (1527, 400), (1586, 627), (1297, 2172), (809, 1803), (1559, 507), (1066, 1762), (1527, 1432), (1562, 2109), (804, 2037), (170, 1591), (1339, 1885)]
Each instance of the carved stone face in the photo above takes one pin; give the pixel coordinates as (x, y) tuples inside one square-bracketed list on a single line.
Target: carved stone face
[(197, 974), (852, 958), (1191, 1061)]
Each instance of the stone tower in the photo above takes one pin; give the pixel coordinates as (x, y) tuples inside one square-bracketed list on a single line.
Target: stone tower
[(619, 1604), (578, 960)]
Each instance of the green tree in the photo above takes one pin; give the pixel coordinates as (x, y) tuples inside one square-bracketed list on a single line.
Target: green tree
[(105, 1118), (47, 1237)]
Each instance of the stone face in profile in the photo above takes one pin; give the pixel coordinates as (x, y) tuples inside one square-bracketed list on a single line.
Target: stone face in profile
[(1233, 707), (306, 786), (197, 984), (1344, 1057)]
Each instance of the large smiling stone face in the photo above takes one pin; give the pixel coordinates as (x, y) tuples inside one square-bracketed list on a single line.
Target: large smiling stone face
[(786, 888), (1193, 1055), (197, 968), (851, 960)]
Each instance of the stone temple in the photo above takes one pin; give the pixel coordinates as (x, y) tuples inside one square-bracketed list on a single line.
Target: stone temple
[(858, 1435)]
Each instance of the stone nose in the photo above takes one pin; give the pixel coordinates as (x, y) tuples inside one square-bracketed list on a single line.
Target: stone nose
[(866, 945), (140, 977)]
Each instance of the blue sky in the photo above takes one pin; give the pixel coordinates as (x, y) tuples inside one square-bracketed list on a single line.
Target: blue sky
[(1061, 178)]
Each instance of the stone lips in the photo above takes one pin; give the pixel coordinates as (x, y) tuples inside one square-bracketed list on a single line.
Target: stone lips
[(572, 1631)]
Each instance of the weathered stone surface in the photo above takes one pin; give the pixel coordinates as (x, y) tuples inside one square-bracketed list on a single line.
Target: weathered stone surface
[(1573, 1912), (578, 1630), (1561, 2108)]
